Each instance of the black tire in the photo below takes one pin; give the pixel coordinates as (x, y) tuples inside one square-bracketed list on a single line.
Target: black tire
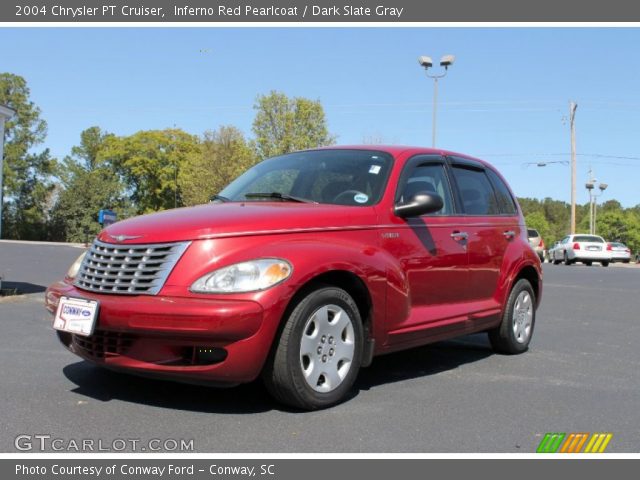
[(587, 263), (566, 259), (604, 264), (625, 261), (502, 338), (283, 373)]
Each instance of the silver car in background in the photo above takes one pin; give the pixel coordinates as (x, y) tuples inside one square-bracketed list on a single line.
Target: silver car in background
[(582, 248), (536, 242), (619, 252)]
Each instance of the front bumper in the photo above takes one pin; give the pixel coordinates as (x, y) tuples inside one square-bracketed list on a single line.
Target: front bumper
[(196, 340)]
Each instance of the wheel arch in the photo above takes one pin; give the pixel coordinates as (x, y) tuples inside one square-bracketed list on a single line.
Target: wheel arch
[(529, 273), (356, 287)]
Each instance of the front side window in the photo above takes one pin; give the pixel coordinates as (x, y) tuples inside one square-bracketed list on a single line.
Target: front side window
[(341, 177), (428, 179), (476, 192)]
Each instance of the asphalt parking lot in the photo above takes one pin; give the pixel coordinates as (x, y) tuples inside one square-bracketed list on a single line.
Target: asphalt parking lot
[(581, 374)]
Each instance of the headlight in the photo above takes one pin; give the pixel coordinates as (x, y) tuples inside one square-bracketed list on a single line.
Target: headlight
[(73, 270), (244, 277)]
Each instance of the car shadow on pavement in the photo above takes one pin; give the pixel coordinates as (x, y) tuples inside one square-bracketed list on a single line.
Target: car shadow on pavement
[(23, 287), (105, 385), (424, 361)]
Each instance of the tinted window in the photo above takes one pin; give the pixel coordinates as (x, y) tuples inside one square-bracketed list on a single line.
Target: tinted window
[(428, 179), (587, 238), (344, 177), (476, 192), (532, 233), (505, 201)]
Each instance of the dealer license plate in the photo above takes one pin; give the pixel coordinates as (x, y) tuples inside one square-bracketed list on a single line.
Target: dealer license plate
[(76, 315)]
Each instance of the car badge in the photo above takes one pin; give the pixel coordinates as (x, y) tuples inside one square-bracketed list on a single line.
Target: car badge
[(122, 238)]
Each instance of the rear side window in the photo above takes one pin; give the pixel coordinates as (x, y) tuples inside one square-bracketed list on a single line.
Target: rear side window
[(532, 233), (477, 194), (506, 205)]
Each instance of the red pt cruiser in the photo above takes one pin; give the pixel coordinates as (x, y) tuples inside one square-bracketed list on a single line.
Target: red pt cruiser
[(303, 269)]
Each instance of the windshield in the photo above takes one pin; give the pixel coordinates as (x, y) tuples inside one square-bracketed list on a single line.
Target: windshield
[(341, 177)]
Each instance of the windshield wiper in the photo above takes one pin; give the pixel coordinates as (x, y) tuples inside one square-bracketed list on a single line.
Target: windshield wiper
[(219, 197), (279, 196)]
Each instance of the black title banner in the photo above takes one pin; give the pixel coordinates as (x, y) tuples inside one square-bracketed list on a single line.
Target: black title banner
[(163, 11)]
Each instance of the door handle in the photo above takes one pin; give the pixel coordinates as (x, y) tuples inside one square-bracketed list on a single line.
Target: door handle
[(509, 234), (459, 236)]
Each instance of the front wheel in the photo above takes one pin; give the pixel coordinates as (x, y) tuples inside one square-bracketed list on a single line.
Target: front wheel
[(518, 319), (319, 351)]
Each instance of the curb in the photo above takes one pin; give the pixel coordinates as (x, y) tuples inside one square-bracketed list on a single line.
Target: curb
[(53, 244)]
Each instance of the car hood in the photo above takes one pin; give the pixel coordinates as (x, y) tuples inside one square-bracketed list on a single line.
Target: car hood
[(237, 219)]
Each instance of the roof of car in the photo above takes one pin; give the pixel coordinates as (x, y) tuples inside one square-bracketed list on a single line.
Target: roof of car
[(400, 149)]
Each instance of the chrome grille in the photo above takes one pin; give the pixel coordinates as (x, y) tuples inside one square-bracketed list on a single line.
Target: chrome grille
[(128, 269)]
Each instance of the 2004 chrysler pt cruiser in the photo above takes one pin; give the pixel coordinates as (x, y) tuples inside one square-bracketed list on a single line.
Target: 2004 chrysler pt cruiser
[(303, 269)]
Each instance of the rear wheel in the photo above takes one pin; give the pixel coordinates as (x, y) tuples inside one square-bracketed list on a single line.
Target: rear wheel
[(514, 333), (588, 263), (604, 264), (566, 259), (319, 351)]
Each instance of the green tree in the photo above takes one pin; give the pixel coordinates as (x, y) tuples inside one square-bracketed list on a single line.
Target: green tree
[(149, 163), (28, 181), (284, 124), (221, 156), (538, 221), (88, 185), (619, 226)]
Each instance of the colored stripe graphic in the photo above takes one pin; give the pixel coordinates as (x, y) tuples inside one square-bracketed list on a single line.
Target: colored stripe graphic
[(550, 442), (574, 442), (598, 443)]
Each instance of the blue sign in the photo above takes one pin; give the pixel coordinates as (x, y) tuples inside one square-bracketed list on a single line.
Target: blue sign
[(106, 217)]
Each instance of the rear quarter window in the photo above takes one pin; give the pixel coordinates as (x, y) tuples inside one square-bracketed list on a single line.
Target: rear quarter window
[(506, 203)]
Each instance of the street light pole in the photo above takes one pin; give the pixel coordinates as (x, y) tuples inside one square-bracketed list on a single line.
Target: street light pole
[(593, 199), (5, 114), (435, 112), (446, 61)]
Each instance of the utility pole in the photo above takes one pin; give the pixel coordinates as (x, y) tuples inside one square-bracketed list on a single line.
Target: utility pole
[(572, 119)]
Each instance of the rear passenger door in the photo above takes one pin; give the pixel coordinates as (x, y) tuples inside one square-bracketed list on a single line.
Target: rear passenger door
[(490, 221)]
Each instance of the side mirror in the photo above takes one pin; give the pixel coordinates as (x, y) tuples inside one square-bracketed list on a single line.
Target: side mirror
[(419, 204)]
